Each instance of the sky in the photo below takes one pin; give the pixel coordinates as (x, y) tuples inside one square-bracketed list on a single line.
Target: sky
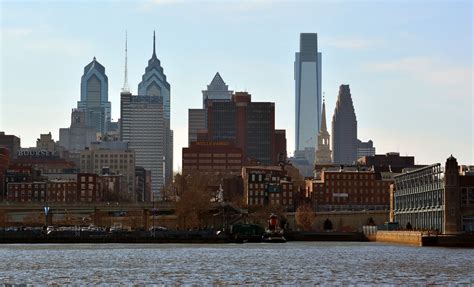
[(409, 64)]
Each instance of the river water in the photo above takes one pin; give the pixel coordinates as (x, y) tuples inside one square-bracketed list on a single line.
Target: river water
[(294, 263)]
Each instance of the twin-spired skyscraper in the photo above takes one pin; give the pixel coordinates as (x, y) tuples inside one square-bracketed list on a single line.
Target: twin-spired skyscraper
[(307, 92), (145, 123)]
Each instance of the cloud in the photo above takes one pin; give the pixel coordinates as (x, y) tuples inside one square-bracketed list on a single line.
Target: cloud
[(354, 44), (44, 41), (15, 32), (427, 69)]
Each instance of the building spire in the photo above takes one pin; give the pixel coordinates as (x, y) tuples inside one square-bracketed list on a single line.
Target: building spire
[(323, 116), (154, 45), (125, 80)]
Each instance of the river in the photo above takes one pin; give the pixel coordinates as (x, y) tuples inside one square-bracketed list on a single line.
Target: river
[(293, 263)]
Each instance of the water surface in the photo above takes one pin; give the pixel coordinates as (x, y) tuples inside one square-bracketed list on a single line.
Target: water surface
[(294, 263)]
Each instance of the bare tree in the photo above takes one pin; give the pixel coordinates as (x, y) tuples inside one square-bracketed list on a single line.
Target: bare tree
[(305, 217)]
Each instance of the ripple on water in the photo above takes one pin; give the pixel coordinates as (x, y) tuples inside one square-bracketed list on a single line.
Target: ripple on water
[(305, 263)]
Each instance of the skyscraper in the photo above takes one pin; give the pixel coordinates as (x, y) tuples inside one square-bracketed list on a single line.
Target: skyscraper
[(217, 90), (154, 84), (307, 92), (248, 125), (95, 96), (344, 128), (323, 151), (143, 128)]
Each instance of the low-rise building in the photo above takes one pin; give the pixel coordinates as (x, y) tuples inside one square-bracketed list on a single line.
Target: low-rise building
[(267, 185), (349, 189), (430, 198), (212, 157)]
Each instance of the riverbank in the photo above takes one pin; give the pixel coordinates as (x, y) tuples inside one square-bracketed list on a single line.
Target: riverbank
[(419, 238), (37, 237)]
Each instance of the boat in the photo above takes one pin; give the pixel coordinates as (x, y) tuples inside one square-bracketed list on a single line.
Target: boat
[(273, 234)]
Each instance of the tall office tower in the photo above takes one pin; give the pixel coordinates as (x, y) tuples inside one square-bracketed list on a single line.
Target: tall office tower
[(248, 125), (154, 84), (217, 90), (143, 128), (307, 92), (323, 151), (95, 96), (344, 128)]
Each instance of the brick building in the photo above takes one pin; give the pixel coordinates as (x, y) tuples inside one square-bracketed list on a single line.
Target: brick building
[(4, 163), (267, 185), (212, 157), (11, 143), (247, 125), (349, 189)]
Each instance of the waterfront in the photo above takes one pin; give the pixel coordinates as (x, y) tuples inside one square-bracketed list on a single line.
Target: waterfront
[(294, 263)]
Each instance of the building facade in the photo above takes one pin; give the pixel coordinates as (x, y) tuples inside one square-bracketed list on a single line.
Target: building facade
[(248, 125), (307, 91), (349, 189), (212, 157), (365, 148), (267, 186), (11, 142), (431, 198), (143, 128), (95, 97), (79, 135), (115, 157), (155, 84), (197, 122), (344, 129)]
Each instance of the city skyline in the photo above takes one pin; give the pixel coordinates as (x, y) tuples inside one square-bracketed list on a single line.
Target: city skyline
[(391, 89)]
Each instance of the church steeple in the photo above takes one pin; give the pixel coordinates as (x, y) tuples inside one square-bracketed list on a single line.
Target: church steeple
[(323, 151), (323, 117)]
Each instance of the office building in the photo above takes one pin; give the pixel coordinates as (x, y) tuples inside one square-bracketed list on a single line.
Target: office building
[(79, 135), (365, 148), (212, 157), (113, 156), (344, 129), (155, 84), (143, 128), (248, 125), (95, 97), (197, 122), (217, 90), (307, 92)]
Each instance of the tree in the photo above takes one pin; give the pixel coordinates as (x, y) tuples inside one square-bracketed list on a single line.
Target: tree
[(194, 203), (305, 217)]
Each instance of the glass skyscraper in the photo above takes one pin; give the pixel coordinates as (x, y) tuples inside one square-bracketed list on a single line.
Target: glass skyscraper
[(307, 92), (95, 96), (154, 84)]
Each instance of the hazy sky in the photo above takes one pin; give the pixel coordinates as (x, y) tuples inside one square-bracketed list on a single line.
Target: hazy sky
[(409, 64)]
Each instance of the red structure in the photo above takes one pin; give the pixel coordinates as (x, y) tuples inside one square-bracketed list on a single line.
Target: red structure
[(212, 157), (349, 190), (4, 163)]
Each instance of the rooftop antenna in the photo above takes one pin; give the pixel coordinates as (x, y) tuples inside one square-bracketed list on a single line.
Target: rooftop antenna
[(125, 81)]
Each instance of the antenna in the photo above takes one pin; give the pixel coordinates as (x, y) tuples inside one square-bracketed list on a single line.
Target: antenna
[(125, 80)]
